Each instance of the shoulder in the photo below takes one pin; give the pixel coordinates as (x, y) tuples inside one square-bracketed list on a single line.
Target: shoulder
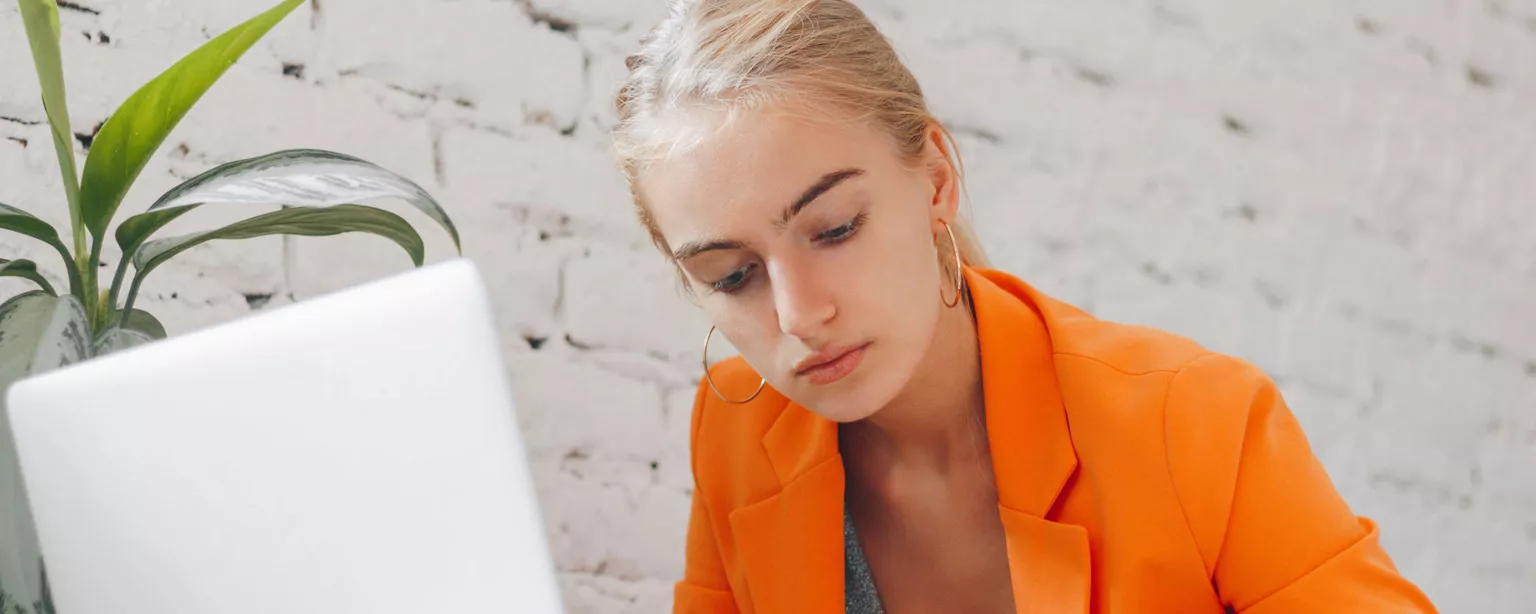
[(1127, 348), (1078, 337), (1132, 369), (1197, 403), (1210, 402), (1116, 376), (1137, 396), (1202, 398), (1209, 407), (1197, 385)]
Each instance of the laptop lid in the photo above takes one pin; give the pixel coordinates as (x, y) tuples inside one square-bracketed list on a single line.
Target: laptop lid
[(357, 452)]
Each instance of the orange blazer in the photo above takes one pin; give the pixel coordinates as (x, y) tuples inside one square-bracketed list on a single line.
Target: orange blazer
[(1136, 473)]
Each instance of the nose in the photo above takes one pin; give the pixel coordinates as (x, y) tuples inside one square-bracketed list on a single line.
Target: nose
[(803, 302)]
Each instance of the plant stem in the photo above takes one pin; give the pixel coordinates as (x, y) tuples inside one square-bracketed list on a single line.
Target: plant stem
[(133, 293), (92, 290), (117, 284), (76, 224), (75, 286)]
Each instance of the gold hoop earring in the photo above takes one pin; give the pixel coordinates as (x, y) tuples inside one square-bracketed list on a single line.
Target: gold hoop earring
[(711, 381), (959, 270)]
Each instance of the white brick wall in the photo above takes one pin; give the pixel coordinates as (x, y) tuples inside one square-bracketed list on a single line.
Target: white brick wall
[(1339, 191)]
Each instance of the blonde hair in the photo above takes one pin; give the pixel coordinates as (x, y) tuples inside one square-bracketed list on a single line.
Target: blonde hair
[(736, 55)]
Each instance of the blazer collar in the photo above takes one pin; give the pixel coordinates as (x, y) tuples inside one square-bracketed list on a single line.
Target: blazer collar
[(791, 543), (1032, 453)]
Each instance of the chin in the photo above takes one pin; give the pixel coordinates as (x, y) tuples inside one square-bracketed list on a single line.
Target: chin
[(854, 398), (842, 412)]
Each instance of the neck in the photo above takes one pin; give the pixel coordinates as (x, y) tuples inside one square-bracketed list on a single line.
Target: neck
[(937, 421)]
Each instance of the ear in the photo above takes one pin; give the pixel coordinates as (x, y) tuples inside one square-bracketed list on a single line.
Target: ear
[(943, 167)]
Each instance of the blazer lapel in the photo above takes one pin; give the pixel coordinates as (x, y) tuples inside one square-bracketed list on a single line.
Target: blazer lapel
[(1048, 564), (1032, 454), (792, 542)]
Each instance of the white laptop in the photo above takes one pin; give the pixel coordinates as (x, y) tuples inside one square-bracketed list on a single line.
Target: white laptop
[(357, 452)]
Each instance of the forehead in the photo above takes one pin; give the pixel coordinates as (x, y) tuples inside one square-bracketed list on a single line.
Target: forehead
[(755, 164)]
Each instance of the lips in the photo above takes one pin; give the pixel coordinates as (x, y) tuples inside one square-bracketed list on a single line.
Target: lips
[(829, 366)]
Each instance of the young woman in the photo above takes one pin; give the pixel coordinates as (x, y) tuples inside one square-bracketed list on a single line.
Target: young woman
[(907, 430)]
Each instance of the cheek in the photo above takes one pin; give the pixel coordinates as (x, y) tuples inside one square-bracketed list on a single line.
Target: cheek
[(745, 325), (898, 269)]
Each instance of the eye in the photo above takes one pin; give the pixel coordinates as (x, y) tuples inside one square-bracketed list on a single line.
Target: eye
[(843, 232), (734, 281)]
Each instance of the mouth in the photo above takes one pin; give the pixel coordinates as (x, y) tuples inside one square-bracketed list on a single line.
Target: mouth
[(829, 366)]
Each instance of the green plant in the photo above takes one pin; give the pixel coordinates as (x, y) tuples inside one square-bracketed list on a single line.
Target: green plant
[(45, 328)]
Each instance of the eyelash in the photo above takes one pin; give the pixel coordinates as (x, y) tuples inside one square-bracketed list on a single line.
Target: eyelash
[(842, 233), (829, 237)]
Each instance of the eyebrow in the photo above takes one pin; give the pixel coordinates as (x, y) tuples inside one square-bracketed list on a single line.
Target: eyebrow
[(827, 182), (694, 248)]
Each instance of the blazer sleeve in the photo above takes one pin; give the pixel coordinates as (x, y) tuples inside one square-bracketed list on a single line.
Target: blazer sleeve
[(1274, 533), (704, 588)]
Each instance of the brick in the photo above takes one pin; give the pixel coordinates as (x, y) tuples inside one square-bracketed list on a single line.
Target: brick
[(560, 399), (606, 72), (481, 52), (611, 521), (594, 594), (609, 290), (563, 186), (632, 17), (177, 29), (676, 468)]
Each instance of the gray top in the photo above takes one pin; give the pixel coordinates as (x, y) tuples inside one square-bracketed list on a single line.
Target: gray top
[(858, 582)]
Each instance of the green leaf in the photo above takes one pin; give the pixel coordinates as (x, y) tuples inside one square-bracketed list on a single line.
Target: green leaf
[(143, 322), (135, 230), (40, 332), (116, 339), (41, 18), (140, 125), (295, 177), (18, 221), (298, 177), (25, 269), (130, 235), (136, 327), (302, 221)]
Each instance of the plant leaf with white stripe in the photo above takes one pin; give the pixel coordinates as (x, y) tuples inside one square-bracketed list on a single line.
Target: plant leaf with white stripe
[(295, 177), (116, 339), (40, 332), (302, 221), (136, 327), (142, 321)]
